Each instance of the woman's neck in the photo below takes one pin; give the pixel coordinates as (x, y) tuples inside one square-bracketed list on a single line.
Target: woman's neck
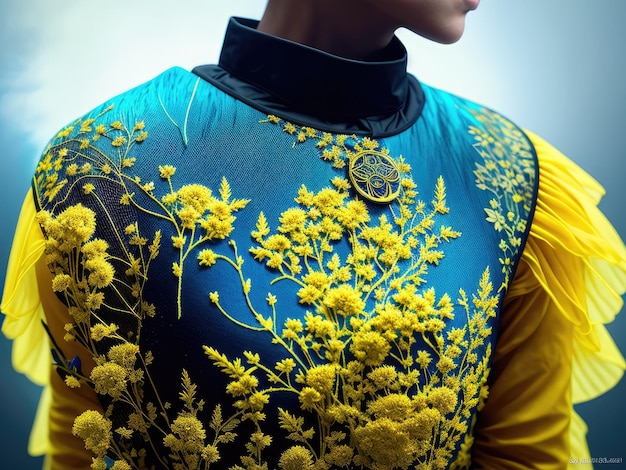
[(343, 31)]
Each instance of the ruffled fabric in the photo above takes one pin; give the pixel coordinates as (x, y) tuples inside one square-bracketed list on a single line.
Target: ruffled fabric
[(23, 309), (553, 350), (24, 313), (568, 221)]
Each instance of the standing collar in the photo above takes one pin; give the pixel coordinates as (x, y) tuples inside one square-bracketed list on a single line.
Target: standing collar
[(312, 87)]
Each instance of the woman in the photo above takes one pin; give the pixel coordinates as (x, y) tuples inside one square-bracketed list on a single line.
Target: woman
[(304, 258)]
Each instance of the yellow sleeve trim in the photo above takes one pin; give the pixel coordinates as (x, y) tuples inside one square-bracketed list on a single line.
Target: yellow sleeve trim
[(23, 310), (20, 301), (574, 236)]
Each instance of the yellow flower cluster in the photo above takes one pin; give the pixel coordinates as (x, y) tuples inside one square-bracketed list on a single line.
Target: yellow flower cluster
[(193, 202), (95, 430), (113, 376), (195, 206), (187, 438), (80, 264)]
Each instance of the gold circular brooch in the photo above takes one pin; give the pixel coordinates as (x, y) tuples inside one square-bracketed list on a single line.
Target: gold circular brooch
[(375, 176)]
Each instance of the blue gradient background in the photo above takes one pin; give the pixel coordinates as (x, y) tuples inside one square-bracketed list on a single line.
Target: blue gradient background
[(555, 67)]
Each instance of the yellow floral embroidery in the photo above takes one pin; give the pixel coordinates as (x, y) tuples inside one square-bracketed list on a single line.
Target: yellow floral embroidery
[(95, 429), (384, 375), (507, 179), (90, 279), (354, 360), (196, 214), (374, 174)]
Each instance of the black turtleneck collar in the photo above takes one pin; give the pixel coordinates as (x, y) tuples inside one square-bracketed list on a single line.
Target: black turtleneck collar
[(314, 88)]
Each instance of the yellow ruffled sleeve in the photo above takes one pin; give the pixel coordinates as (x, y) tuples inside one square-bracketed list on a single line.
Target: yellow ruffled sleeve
[(24, 313), (553, 349), (20, 301), (27, 301)]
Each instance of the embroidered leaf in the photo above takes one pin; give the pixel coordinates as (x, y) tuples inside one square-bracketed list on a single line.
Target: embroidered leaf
[(262, 228), (225, 191)]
